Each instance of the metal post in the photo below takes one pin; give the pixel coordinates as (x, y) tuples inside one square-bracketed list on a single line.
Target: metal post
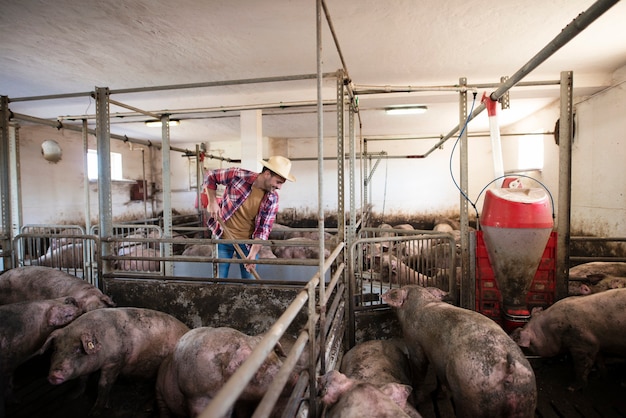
[(566, 127), (466, 296), (5, 188), (103, 139), (341, 203), (167, 192)]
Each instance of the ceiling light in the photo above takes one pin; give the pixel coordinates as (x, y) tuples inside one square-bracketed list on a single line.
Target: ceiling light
[(405, 110), (157, 123)]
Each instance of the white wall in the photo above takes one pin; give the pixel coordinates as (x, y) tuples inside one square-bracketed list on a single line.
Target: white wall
[(400, 187)]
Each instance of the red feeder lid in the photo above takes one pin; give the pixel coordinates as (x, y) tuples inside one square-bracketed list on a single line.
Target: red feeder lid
[(517, 208)]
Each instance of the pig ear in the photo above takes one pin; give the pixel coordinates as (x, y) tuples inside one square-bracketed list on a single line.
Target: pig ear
[(536, 310), (107, 300), (278, 349), (397, 392), (46, 344), (90, 343), (596, 277)]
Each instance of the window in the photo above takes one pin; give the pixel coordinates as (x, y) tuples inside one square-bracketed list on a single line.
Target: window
[(530, 153), (92, 165)]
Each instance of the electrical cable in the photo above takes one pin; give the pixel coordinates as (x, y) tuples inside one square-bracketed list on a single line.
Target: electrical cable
[(497, 178), (452, 153)]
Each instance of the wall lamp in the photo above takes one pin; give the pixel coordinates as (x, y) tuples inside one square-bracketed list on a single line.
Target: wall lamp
[(405, 110), (157, 123)]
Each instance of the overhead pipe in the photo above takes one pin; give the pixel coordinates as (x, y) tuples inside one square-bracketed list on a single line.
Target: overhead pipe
[(364, 89), (215, 109), (568, 33), (59, 125)]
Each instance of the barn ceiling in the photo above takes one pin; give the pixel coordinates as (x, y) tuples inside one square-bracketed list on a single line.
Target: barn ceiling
[(70, 46)]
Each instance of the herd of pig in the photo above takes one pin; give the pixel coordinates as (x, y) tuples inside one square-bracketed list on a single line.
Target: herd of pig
[(68, 252), (478, 365), (46, 309)]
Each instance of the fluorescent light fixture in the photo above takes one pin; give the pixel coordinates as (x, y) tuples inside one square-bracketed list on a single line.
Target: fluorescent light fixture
[(157, 123), (405, 110)]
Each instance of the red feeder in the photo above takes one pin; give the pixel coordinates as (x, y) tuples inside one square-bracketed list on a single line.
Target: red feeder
[(516, 226)]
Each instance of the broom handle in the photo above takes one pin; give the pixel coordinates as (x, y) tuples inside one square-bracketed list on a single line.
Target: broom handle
[(229, 236)]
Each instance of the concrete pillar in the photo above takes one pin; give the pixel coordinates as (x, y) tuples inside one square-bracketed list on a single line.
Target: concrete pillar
[(251, 125)]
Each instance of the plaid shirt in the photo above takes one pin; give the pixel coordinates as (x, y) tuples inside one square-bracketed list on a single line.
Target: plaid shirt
[(238, 184)]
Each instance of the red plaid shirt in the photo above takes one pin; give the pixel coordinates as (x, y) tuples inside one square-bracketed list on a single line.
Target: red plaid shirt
[(238, 184)]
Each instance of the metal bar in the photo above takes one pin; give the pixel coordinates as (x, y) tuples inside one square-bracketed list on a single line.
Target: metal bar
[(5, 183), (167, 191), (466, 294), (364, 89), (58, 125), (334, 35), (274, 390), (568, 33), (134, 109), (566, 122), (103, 141), (229, 393), (223, 83)]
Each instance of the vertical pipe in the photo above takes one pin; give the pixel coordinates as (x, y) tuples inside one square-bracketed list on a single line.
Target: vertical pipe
[(5, 216), (85, 133), (105, 207), (466, 280), (350, 279), (167, 192), (88, 273), (566, 127), (313, 344), (15, 191)]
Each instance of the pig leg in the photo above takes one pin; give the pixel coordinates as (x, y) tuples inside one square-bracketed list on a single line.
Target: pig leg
[(199, 404), (583, 362), (108, 375)]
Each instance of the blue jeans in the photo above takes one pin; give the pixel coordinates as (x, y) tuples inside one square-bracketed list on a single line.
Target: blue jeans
[(227, 251)]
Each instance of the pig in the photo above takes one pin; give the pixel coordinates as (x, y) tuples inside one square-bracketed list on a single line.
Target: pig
[(116, 341), (69, 255), (202, 362), (485, 372), (582, 271), (379, 362), (201, 250), (583, 326), (24, 327), (393, 270), (349, 398), (299, 252), (37, 282), (133, 253), (598, 283)]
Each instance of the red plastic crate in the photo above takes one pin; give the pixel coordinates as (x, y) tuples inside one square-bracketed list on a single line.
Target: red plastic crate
[(542, 291)]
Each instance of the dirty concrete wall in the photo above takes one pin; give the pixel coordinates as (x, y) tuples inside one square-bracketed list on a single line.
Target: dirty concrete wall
[(250, 309), (598, 169), (54, 192)]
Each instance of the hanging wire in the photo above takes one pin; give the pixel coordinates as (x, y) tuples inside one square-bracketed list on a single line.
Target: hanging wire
[(497, 178), (452, 153), (385, 189)]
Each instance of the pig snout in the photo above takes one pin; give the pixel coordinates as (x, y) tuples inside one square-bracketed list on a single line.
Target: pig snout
[(56, 377)]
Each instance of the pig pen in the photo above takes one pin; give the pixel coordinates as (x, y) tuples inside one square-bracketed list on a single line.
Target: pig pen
[(286, 305), (199, 301)]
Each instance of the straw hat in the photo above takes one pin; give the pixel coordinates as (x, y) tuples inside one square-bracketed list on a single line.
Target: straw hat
[(279, 165)]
